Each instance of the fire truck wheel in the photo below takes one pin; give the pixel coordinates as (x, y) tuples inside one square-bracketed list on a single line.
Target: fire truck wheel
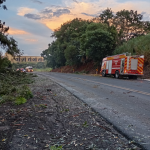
[(104, 73), (117, 74)]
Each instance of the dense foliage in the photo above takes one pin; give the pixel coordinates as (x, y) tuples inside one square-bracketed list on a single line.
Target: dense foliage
[(128, 24), (13, 86), (79, 41), (4, 62), (9, 44), (98, 41), (139, 46)]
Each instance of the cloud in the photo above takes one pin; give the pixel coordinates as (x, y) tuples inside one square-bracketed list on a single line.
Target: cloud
[(75, 1), (31, 40), (36, 1), (33, 16), (56, 22), (32, 44), (47, 13), (25, 10), (92, 15), (59, 12), (13, 31), (53, 16), (146, 16)]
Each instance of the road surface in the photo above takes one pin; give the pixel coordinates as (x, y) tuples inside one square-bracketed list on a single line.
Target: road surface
[(124, 103)]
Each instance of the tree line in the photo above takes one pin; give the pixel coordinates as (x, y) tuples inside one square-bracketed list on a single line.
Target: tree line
[(79, 41)]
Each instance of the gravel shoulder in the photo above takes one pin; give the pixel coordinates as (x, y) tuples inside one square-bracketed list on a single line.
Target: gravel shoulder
[(54, 117)]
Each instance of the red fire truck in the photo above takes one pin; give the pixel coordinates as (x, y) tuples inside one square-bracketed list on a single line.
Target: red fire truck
[(123, 65)]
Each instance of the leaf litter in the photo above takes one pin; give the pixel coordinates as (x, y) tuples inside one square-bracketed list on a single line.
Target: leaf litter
[(55, 119)]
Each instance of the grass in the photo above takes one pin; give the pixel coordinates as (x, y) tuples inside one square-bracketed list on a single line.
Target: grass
[(14, 86), (56, 147), (43, 70), (85, 124), (20, 100)]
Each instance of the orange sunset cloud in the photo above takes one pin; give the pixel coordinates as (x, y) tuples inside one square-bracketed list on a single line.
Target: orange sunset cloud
[(23, 10), (56, 22), (76, 12), (78, 9), (13, 31), (31, 40), (84, 10)]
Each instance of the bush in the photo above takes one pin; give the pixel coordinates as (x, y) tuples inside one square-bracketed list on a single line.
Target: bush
[(20, 100), (4, 62), (138, 46), (25, 92), (56, 147), (12, 86)]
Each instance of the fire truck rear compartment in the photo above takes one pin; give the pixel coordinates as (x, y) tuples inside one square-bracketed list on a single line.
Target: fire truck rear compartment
[(134, 64)]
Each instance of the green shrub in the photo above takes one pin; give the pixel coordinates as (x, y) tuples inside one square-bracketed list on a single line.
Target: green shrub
[(4, 62), (6, 98), (138, 46), (26, 92), (43, 105), (20, 100), (12, 85), (56, 147)]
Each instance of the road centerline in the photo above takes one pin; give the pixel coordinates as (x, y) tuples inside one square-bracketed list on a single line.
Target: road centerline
[(127, 89)]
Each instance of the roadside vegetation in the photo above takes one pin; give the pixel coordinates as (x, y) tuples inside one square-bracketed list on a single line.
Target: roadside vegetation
[(82, 41), (138, 46), (14, 87), (13, 84)]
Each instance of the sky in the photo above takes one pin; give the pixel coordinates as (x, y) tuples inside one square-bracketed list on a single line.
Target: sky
[(32, 22)]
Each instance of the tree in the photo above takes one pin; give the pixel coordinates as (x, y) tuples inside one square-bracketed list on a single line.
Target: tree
[(98, 42), (128, 23), (68, 40), (106, 16), (53, 55), (72, 55), (3, 6), (9, 44), (4, 62)]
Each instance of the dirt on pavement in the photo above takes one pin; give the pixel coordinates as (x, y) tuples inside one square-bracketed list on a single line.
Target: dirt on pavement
[(54, 117)]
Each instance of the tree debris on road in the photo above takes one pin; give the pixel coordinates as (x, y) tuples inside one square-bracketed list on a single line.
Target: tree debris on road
[(55, 119)]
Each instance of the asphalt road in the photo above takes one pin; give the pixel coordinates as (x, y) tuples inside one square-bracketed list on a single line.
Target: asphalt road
[(124, 103)]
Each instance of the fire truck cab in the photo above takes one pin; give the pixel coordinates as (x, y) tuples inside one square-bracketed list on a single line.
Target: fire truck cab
[(123, 65)]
